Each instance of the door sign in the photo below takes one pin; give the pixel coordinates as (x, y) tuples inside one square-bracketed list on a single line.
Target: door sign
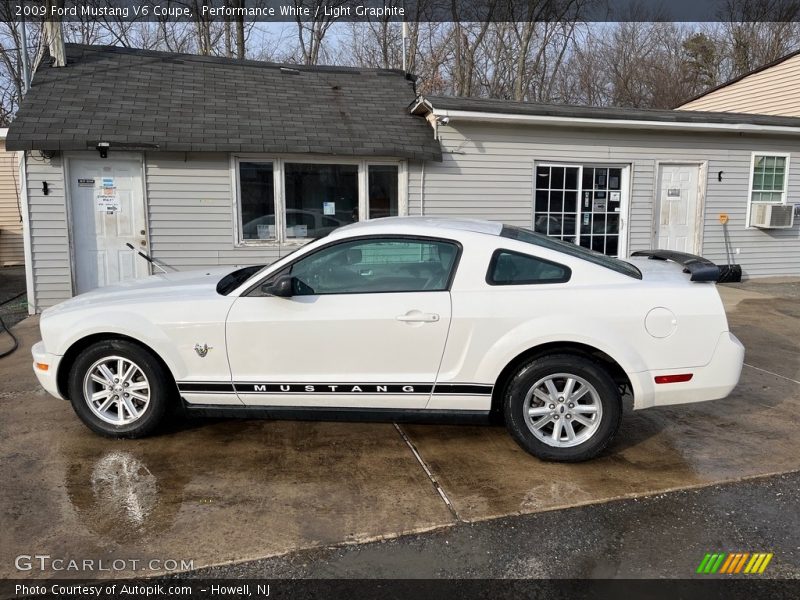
[(107, 200)]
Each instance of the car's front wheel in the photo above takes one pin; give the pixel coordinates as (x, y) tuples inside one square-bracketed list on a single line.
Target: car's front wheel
[(119, 389), (563, 407)]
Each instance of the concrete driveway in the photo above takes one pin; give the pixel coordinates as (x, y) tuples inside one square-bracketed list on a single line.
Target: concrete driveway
[(216, 492)]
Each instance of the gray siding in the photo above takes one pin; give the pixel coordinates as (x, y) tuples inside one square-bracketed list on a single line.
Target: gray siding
[(487, 172), (191, 213), (49, 238)]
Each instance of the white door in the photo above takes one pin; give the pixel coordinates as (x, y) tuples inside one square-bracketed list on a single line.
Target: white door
[(677, 208), (107, 211), (366, 326)]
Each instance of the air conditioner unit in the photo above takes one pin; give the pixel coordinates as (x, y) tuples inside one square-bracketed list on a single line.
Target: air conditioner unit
[(772, 216)]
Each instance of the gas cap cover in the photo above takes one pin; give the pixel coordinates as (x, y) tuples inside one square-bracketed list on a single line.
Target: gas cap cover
[(661, 322)]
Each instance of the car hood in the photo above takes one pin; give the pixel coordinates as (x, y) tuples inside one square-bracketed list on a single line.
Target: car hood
[(183, 285)]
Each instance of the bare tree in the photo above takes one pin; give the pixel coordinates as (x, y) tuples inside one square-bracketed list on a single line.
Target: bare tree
[(757, 33), (311, 31)]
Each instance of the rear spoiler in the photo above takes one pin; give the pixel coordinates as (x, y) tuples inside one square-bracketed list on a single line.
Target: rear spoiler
[(700, 269)]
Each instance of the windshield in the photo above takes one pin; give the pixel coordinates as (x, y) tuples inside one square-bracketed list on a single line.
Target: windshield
[(530, 237)]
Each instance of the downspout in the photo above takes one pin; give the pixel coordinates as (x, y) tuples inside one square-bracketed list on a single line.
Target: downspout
[(26, 233), (422, 190)]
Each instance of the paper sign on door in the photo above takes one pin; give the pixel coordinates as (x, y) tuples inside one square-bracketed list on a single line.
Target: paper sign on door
[(107, 200)]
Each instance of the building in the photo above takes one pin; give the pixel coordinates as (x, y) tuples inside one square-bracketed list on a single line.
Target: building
[(202, 161), (620, 180), (206, 161), (773, 89), (11, 246)]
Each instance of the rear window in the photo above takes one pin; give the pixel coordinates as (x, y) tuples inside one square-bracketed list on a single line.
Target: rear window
[(537, 239)]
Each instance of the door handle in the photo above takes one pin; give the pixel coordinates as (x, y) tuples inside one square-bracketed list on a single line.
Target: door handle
[(415, 316)]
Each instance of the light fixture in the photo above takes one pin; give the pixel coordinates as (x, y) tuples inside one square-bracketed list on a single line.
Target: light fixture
[(102, 148)]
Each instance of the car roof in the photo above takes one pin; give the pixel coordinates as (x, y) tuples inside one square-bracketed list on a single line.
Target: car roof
[(418, 225)]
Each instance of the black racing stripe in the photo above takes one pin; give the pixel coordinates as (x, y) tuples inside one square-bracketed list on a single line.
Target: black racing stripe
[(333, 388), (206, 387), (471, 389), (454, 389)]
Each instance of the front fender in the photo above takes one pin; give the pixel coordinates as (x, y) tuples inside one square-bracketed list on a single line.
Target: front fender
[(62, 331)]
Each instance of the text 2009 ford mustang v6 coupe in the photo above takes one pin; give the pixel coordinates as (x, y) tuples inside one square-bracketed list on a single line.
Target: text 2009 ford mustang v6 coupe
[(403, 318)]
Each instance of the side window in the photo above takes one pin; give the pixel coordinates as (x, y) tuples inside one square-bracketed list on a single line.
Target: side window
[(514, 268), (376, 265)]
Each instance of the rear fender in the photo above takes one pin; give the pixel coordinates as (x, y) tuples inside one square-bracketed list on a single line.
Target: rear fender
[(544, 331)]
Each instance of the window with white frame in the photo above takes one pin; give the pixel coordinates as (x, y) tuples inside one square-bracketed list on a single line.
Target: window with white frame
[(283, 200), (769, 178)]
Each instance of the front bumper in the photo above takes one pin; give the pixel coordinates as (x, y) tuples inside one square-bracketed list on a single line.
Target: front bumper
[(47, 379), (712, 381)]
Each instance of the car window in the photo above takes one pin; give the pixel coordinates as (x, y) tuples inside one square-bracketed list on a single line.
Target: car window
[(376, 265), (514, 268), (543, 241)]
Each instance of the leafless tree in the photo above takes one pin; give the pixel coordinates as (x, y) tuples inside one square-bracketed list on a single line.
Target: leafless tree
[(757, 33), (311, 30)]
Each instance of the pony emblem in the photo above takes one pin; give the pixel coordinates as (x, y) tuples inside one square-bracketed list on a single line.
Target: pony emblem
[(202, 350)]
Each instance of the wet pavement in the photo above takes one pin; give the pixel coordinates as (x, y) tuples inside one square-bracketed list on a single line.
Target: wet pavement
[(662, 536), (224, 491)]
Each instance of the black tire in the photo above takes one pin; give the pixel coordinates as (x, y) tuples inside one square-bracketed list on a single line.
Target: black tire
[(607, 395), (162, 389)]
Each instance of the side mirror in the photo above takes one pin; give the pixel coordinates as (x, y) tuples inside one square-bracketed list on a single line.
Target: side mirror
[(282, 287)]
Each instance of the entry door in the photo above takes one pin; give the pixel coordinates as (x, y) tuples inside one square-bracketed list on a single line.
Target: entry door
[(582, 204), (365, 326), (677, 208), (107, 211)]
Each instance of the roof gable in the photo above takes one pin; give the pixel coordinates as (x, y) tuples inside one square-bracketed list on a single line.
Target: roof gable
[(137, 99), (773, 89), (741, 78)]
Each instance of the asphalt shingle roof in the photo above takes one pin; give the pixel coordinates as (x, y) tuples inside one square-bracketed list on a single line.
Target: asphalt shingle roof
[(177, 102)]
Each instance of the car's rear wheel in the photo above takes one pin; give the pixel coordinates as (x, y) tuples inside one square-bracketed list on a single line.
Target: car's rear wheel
[(119, 389), (563, 408)]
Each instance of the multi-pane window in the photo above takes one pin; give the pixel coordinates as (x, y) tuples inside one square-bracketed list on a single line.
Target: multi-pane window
[(769, 178), (579, 204), (283, 200), (602, 196)]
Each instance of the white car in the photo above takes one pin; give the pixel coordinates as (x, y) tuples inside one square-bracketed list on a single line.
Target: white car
[(402, 318)]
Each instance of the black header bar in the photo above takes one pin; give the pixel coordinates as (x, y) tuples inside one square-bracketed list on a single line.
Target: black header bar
[(405, 10)]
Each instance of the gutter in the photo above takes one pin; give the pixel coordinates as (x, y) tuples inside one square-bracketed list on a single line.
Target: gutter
[(422, 105)]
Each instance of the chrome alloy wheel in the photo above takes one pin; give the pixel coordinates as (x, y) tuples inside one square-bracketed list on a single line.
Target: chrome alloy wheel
[(116, 390), (563, 410)]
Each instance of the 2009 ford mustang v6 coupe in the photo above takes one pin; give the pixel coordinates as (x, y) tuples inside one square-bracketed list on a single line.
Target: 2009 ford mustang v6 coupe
[(403, 318)]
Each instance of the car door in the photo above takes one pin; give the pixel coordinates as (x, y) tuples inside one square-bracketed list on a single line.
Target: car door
[(365, 326)]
